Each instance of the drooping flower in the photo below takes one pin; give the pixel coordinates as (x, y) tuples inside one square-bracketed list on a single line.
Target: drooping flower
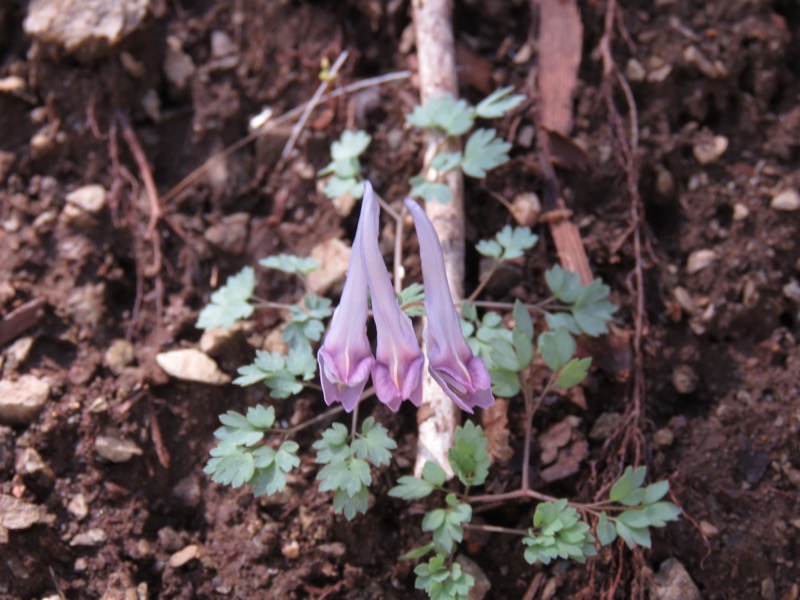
[(397, 372), (462, 375), (345, 357)]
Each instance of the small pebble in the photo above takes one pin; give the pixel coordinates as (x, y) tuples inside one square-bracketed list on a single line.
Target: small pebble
[(189, 364), (788, 201), (120, 354), (78, 507), (699, 260), (740, 212), (792, 291), (663, 437), (708, 529), (89, 198), (183, 556), (116, 449), (709, 151), (291, 550), (93, 537), (684, 379), (21, 400)]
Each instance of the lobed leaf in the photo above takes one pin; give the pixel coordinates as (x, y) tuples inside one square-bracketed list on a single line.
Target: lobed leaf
[(484, 152), (230, 303), (573, 373), (411, 488), (498, 103), (289, 263)]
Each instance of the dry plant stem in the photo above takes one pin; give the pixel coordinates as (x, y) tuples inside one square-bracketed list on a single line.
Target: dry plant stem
[(495, 529), (301, 123), (398, 243), (271, 124), (438, 416)]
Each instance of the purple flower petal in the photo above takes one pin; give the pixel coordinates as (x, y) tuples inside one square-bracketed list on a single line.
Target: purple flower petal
[(462, 375), (397, 372), (345, 357)]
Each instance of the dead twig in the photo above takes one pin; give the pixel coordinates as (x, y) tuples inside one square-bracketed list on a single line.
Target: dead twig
[(312, 104), (277, 121)]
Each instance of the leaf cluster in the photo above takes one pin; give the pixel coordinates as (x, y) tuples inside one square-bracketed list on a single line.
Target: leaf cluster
[(238, 459), (347, 471), (305, 321), (411, 300), (442, 582), (483, 151), (508, 244), (345, 166), (231, 302), (558, 532), (455, 117), (645, 508), (506, 352), (588, 307), (283, 375)]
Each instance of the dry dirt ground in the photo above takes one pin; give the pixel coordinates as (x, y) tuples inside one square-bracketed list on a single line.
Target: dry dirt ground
[(717, 88)]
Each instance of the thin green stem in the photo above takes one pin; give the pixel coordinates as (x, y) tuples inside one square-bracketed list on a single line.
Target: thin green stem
[(354, 422)]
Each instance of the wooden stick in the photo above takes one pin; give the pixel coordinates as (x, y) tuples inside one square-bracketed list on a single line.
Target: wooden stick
[(438, 416)]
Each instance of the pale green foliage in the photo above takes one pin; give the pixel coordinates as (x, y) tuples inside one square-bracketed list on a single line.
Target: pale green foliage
[(430, 190), (411, 300), (289, 263), (484, 151), (231, 302), (281, 374), (588, 304), (468, 456), (236, 460), (414, 488), (646, 508), (347, 470), (447, 524), (445, 113), (345, 166), (305, 321), (498, 103), (508, 244), (505, 352), (558, 532), (455, 117), (442, 582)]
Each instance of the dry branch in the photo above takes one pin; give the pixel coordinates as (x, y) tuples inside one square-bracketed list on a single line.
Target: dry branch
[(438, 416)]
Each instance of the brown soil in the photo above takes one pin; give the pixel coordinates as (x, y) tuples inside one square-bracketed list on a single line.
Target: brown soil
[(721, 355)]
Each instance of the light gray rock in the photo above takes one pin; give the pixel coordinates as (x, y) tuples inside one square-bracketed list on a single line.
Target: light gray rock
[(93, 537), (120, 354), (788, 201), (116, 449), (87, 25), (22, 400), (672, 582), (189, 364)]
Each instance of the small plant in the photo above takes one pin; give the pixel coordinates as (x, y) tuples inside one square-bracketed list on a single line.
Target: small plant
[(452, 118), (473, 354), (345, 167)]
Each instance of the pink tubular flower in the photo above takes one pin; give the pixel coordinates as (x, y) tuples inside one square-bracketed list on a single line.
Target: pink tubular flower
[(345, 358), (397, 372), (462, 375)]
